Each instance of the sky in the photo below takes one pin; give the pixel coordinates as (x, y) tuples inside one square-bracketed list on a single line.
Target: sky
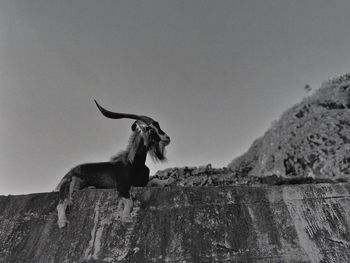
[(214, 74)]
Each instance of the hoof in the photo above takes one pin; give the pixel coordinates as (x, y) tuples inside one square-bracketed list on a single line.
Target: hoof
[(62, 223)]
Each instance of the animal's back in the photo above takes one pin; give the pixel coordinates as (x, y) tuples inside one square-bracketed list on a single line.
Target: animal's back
[(103, 175), (100, 175)]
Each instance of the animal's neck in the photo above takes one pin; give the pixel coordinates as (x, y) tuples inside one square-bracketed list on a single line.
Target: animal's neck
[(141, 154), (137, 151)]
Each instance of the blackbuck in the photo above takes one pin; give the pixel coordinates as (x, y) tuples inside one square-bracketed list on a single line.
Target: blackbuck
[(124, 170)]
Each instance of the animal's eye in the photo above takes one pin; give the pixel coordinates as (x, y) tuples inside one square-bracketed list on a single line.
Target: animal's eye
[(156, 124)]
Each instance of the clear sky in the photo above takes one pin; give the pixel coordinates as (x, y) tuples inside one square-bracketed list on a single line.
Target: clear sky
[(215, 74)]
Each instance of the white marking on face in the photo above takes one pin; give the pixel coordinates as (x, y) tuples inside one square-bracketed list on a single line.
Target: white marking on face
[(165, 139), (143, 128)]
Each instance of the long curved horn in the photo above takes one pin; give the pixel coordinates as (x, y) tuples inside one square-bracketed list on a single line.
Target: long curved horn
[(115, 115)]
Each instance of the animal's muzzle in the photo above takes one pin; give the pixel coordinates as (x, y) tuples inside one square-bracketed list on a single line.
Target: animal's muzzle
[(166, 140)]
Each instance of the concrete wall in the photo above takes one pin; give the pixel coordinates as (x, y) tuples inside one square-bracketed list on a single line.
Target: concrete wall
[(301, 223)]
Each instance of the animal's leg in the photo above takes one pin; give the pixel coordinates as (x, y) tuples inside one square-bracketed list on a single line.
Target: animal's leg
[(67, 189), (63, 203), (120, 208), (62, 220), (128, 205), (73, 186)]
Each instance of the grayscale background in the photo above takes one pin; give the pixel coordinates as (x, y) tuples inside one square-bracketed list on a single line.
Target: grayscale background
[(215, 74)]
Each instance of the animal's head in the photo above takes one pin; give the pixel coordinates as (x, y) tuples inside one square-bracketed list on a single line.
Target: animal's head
[(154, 138)]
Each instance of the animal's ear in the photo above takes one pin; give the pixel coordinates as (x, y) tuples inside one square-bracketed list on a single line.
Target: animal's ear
[(133, 126)]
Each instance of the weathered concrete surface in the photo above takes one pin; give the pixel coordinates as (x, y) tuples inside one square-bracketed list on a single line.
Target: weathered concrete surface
[(300, 223)]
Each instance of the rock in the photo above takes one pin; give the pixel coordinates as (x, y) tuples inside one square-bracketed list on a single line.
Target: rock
[(161, 183), (204, 175), (302, 223), (312, 139)]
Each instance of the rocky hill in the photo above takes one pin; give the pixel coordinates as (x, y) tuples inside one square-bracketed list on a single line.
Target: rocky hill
[(310, 140), (206, 175), (310, 143)]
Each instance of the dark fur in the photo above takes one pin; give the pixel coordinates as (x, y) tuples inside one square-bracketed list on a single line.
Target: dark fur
[(123, 170)]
